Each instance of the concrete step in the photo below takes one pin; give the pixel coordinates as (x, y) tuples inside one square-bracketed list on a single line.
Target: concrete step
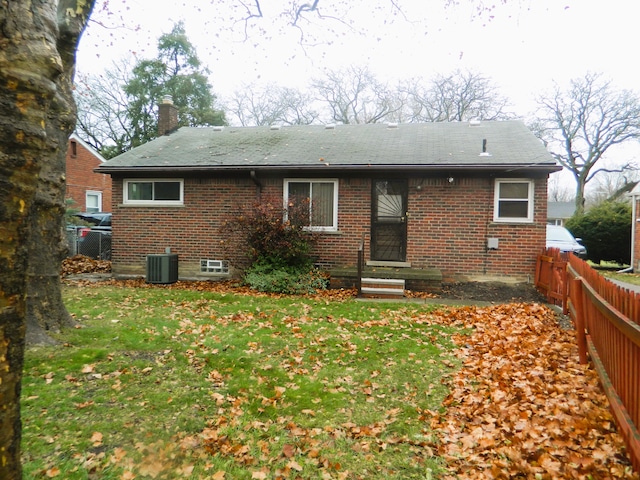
[(382, 287)]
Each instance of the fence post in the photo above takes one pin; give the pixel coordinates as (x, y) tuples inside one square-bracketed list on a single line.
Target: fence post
[(578, 306), (565, 287)]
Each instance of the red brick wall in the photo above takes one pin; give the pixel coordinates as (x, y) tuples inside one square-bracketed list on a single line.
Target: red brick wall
[(448, 227), (193, 231), (450, 223), (80, 177)]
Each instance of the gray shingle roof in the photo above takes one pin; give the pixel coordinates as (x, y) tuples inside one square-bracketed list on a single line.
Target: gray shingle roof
[(561, 209), (510, 144)]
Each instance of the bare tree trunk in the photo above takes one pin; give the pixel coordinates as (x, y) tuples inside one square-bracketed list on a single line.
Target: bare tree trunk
[(580, 193), (37, 45)]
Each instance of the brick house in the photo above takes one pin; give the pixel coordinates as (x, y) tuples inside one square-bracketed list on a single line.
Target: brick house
[(635, 228), (463, 200), (90, 191)]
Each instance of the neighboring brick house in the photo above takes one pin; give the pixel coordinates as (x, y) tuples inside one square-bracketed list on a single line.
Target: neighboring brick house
[(90, 191), (635, 228), (466, 199)]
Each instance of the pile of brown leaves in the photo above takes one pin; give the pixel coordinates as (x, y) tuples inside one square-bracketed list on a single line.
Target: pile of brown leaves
[(81, 264), (522, 406)]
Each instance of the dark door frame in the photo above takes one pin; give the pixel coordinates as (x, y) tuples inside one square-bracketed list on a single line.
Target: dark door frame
[(389, 201)]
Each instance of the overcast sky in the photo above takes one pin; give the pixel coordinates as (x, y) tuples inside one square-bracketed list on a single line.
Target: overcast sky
[(523, 46)]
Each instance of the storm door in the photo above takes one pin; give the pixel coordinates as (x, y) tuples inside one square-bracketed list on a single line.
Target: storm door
[(389, 220)]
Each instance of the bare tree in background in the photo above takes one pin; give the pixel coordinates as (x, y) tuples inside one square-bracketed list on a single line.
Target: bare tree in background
[(355, 95), (612, 186), (581, 124), (102, 109), (455, 97), (254, 105), (558, 189)]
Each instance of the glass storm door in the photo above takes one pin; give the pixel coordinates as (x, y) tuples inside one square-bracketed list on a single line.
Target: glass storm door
[(389, 220)]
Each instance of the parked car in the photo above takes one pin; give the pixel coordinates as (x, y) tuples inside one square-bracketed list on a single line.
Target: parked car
[(81, 223), (96, 241), (562, 239)]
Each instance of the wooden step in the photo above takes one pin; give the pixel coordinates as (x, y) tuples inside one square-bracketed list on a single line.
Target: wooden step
[(382, 287)]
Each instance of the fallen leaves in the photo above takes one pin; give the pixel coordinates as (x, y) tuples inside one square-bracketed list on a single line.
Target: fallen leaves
[(282, 392), (81, 264), (96, 439), (522, 405)]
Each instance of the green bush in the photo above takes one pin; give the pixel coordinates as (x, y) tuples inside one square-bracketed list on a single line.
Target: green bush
[(606, 232), (278, 246), (266, 276)]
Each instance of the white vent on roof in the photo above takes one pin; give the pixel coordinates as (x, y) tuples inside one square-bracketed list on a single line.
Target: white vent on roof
[(275, 127), (218, 128), (474, 122), (330, 126), (392, 125)]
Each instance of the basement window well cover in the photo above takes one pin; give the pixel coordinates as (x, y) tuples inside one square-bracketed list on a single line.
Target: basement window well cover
[(214, 266)]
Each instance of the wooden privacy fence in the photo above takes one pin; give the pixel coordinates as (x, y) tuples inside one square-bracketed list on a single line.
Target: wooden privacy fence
[(551, 277), (607, 321)]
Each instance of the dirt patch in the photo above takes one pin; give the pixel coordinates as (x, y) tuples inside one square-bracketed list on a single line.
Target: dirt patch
[(496, 292)]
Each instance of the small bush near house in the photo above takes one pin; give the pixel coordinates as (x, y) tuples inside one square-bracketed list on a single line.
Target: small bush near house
[(278, 246), (264, 276), (606, 232)]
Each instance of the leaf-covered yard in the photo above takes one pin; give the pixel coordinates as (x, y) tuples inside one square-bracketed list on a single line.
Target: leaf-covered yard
[(191, 383)]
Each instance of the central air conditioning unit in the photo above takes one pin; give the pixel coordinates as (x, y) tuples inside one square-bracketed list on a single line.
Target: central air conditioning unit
[(162, 268)]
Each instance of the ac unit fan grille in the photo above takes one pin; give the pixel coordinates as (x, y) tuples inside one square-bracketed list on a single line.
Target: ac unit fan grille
[(162, 268)]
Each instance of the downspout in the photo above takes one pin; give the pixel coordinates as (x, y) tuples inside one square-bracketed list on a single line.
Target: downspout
[(257, 181)]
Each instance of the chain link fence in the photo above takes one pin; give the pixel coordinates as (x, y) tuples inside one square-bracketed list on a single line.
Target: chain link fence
[(95, 244)]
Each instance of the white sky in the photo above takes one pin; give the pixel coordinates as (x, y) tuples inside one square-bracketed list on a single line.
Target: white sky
[(526, 46), (523, 48)]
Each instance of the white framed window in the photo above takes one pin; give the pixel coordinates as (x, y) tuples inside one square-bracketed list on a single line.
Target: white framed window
[(93, 201), (149, 191), (321, 197), (513, 200)]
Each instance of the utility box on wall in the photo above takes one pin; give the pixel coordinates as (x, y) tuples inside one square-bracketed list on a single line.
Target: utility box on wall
[(162, 268)]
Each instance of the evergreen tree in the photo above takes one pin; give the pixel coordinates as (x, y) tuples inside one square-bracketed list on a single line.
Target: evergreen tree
[(132, 121), (606, 231)]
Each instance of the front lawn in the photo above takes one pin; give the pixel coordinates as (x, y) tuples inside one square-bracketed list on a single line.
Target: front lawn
[(165, 383)]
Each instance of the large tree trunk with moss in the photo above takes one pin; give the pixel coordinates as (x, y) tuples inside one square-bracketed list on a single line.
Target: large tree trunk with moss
[(47, 243), (46, 312), (37, 51)]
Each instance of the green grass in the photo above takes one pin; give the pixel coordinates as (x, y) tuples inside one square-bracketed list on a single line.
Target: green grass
[(610, 270), (632, 278), (161, 383)]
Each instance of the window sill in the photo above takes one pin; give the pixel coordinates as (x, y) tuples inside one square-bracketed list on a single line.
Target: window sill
[(512, 222), (148, 205)]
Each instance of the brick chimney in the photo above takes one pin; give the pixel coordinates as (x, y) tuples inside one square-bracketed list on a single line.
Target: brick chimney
[(167, 116)]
